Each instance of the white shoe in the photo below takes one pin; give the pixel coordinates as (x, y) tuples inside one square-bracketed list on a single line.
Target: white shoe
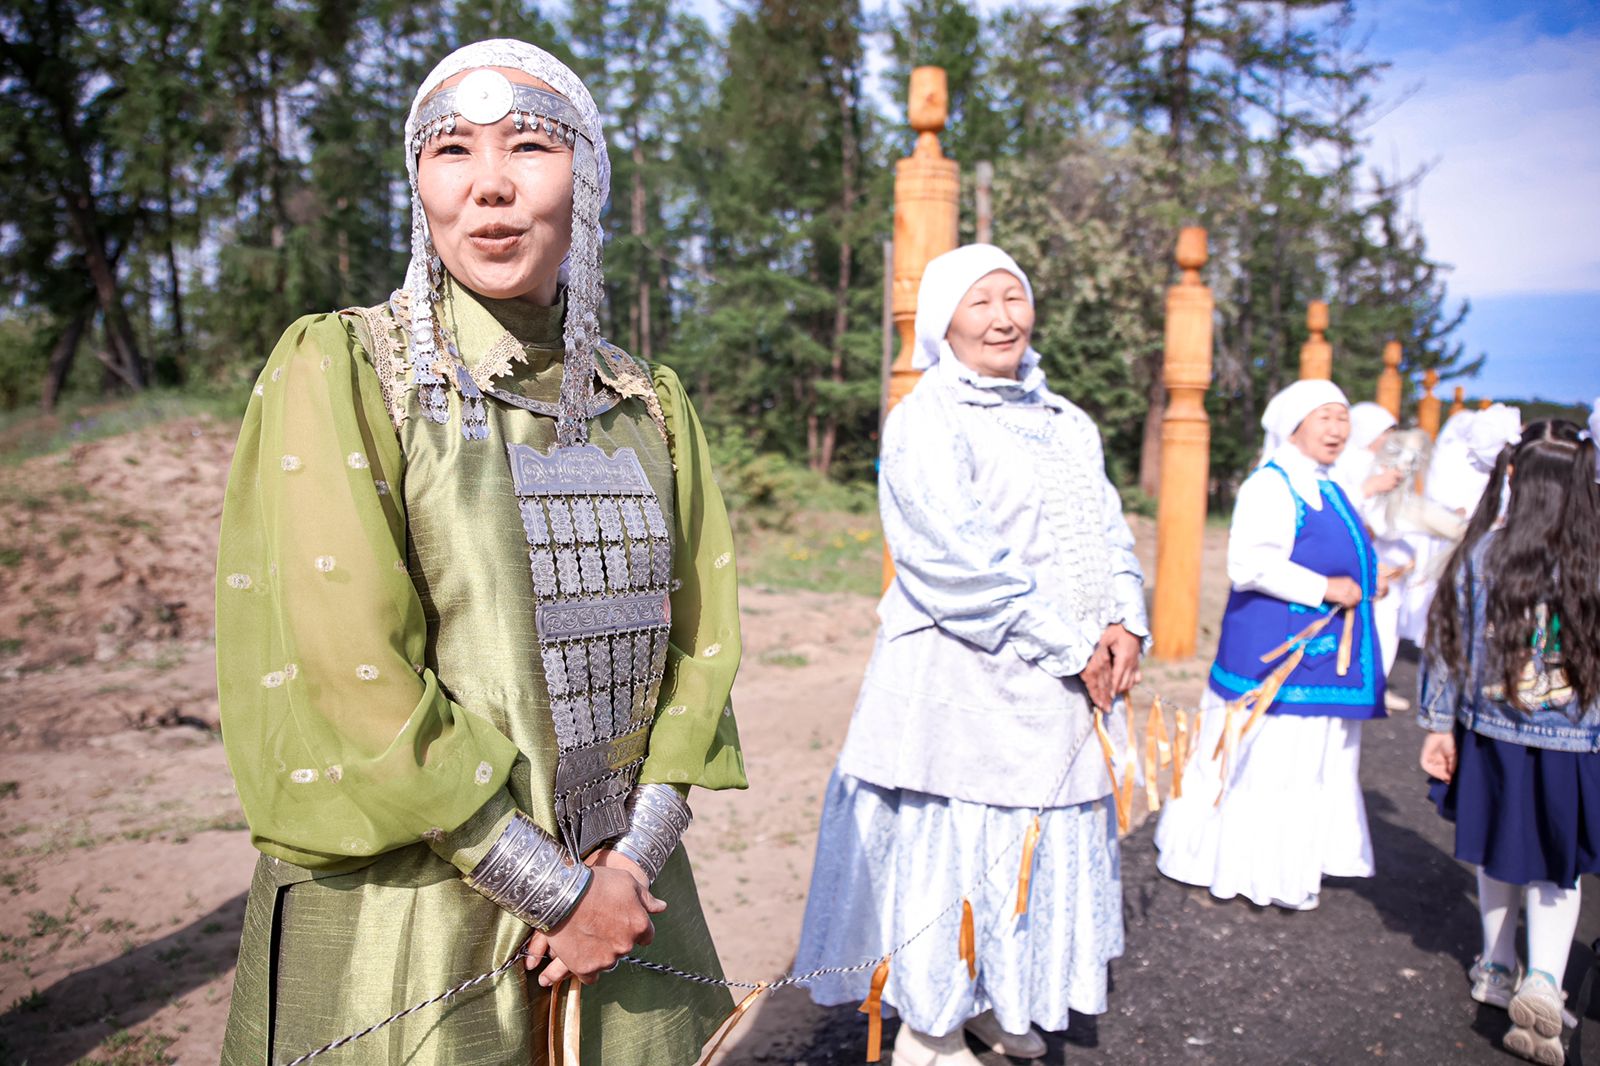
[(1538, 1005), (1492, 983), (1545, 1050), (912, 1048), (986, 1028), (1395, 703)]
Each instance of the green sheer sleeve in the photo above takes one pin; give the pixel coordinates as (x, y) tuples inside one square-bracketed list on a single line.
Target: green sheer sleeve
[(695, 740), (341, 743)]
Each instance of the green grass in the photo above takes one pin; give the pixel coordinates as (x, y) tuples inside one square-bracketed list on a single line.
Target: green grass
[(26, 432), (834, 553), (126, 1048)]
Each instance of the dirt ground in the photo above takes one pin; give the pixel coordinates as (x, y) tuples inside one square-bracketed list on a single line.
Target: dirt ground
[(125, 857)]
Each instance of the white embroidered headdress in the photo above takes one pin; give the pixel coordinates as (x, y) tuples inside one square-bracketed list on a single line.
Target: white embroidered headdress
[(485, 97)]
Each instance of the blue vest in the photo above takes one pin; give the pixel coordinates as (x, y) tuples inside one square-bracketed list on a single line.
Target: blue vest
[(1330, 541)]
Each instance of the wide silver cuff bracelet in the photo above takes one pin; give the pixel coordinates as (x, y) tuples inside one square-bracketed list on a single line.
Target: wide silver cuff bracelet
[(657, 818), (527, 873)]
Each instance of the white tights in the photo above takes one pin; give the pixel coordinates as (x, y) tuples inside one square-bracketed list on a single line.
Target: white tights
[(1552, 921)]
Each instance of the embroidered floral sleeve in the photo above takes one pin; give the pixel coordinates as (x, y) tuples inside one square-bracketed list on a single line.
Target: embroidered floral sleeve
[(341, 743), (695, 740), (950, 560)]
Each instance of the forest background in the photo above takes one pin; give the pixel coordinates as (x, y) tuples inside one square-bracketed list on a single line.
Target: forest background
[(183, 178)]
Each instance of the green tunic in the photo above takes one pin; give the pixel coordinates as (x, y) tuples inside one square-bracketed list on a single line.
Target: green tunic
[(384, 710)]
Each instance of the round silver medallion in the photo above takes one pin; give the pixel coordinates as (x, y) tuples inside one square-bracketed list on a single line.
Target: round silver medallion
[(484, 97)]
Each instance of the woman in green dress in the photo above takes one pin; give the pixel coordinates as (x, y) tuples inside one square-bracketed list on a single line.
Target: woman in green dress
[(477, 625)]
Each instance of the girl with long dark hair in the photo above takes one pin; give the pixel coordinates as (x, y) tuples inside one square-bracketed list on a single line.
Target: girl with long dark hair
[(1511, 700)]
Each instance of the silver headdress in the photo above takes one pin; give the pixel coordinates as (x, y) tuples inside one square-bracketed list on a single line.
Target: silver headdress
[(485, 97)]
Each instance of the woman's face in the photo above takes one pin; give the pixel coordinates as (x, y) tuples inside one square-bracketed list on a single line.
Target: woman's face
[(499, 203), (1323, 433), (992, 325)]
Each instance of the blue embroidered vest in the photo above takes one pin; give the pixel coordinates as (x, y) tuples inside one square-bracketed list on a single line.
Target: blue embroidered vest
[(1330, 541)]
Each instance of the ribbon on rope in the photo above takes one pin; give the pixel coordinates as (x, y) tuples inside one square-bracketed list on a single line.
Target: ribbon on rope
[(729, 1023), (1180, 749), (1346, 639), (967, 946), (1157, 753), (1130, 767), (566, 1023), (872, 1007), (1109, 752), (1024, 875)]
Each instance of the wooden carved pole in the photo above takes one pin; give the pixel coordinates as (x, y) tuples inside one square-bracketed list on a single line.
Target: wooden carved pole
[(927, 200), (1459, 404), (1485, 403), (1428, 406), (1389, 380), (1185, 454), (1316, 355)]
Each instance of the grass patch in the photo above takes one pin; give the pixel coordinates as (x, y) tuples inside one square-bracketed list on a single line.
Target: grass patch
[(26, 432), (829, 552), (788, 659), (9, 789), (127, 1048)]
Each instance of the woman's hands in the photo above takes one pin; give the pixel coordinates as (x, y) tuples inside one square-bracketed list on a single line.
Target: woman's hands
[(1113, 669), (610, 920), (1439, 756), (1385, 480), (1342, 591)]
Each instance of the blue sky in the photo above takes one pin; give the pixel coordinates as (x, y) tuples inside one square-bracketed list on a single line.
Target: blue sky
[(1501, 100)]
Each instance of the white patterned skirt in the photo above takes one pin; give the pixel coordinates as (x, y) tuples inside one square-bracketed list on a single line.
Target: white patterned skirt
[(889, 861), (1293, 811)]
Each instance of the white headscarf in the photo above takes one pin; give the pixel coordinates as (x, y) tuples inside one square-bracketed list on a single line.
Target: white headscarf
[(1368, 422), (1488, 434), (1290, 406), (945, 281), (1452, 480), (591, 186)]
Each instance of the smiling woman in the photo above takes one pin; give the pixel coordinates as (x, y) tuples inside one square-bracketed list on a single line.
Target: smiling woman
[(469, 550)]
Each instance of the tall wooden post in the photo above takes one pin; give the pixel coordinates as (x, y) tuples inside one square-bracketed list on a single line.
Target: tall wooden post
[(1389, 380), (927, 203), (1485, 403), (1428, 406), (1459, 404), (1316, 355), (1185, 454)]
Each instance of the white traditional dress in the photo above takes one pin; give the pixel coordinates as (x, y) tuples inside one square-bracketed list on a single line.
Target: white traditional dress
[(1012, 557)]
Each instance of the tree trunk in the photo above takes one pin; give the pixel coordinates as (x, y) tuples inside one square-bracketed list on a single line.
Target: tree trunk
[(61, 358), (848, 165), (1150, 446), (641, 341)]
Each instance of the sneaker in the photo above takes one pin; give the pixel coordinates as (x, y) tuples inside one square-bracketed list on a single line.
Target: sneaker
[(1395, 703), (912, 1048), (986, 1028), (1492, 983), (1538, 1004), (1545, 1050)]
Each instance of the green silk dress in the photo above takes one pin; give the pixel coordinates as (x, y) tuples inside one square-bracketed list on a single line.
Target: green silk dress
[(384, 710)]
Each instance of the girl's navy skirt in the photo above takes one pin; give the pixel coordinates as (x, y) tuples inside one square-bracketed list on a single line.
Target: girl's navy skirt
[(1522, 813)]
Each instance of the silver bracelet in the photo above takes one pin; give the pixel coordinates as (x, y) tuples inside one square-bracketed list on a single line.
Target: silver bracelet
[(527, 873), (657, 818)]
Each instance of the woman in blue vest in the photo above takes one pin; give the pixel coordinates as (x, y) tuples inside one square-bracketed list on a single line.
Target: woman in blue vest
[(1291, 809)]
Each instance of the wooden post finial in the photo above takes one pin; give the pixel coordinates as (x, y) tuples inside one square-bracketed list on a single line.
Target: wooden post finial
[(1316, 355), (1389, 380), (1185, 454), (927, 192), (1485, 403), (1459, 404), (1428, 406)]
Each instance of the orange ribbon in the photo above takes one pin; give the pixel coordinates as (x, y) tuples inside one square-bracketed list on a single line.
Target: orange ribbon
[(1130, 763), (1110, 754), (872, 1007), (968, 945), (1157, 753), (1180, 750), (1025, 875), (728, 1024)]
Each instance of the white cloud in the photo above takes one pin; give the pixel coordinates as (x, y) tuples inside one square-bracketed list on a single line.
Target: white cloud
[(1513, 122)]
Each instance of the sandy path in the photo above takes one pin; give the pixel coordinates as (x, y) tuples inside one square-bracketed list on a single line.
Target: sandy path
[(125, 860)]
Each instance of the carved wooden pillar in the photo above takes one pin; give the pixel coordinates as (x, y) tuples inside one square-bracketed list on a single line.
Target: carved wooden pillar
[(1316, 355), (1485, 403), (1459, 404), (927, 202), (1389, 380), (1428, 406), (1185, 455)]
